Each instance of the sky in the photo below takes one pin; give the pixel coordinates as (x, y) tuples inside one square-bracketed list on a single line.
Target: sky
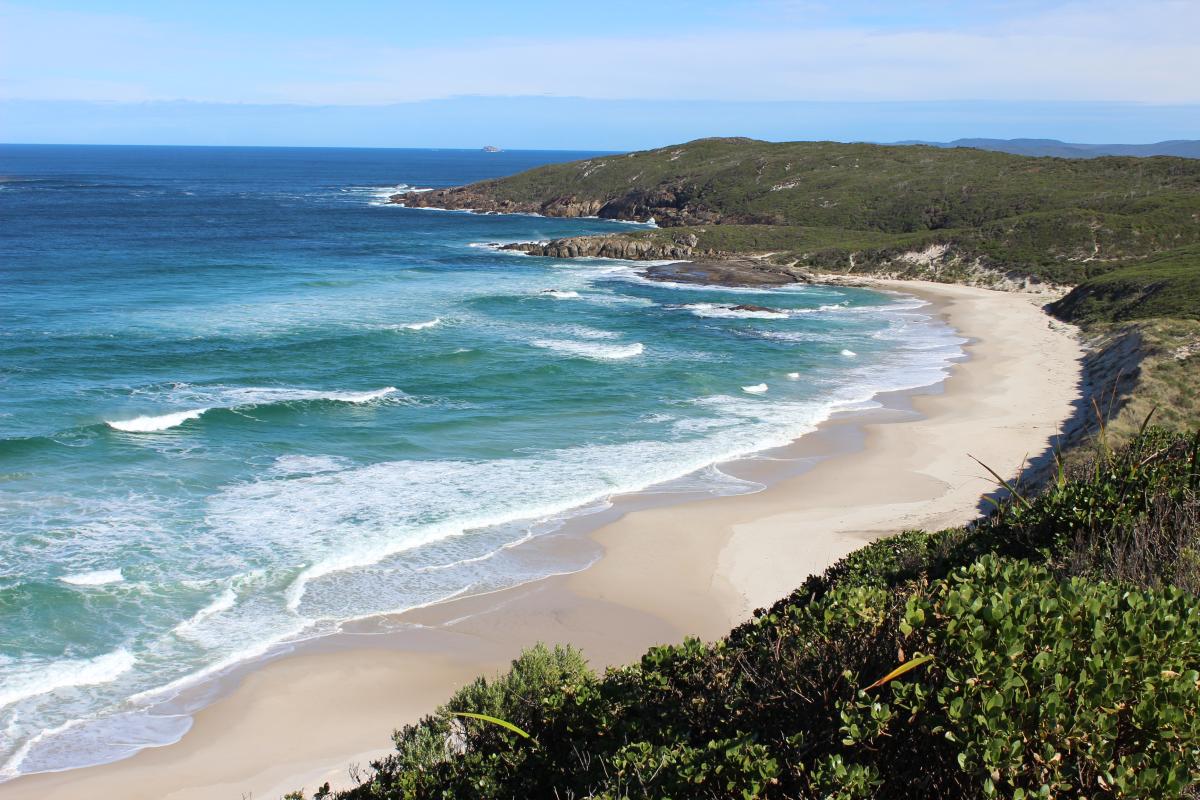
[(532, 73)]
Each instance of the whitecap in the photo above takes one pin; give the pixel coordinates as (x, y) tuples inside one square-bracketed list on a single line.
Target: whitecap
[(559, 294), (717, 311), (849, 353), (602, 352), (419, 326), (151, 424), (95, 578), (256, 396), (223, 602), (793, 376), (758, 388), (241, 397)]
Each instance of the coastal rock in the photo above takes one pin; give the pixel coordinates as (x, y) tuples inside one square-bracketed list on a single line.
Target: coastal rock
[(692, 265), (729, 272), (754, 308), (479, 199), (668, 206), (462, 198), (619, 247)]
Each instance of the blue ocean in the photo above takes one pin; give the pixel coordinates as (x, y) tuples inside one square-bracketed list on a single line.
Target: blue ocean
[(244, 400)]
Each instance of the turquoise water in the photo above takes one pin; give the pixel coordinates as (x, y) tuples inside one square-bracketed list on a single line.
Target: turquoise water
[(242, 401)]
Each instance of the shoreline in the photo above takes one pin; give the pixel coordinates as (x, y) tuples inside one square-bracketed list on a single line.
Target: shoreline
[(696, 566)]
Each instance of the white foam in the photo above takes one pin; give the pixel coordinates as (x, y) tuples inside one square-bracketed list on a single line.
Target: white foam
[(793, 376), (36, 678), (291, 464), (359, 397), (223, 602), (849, 353), (381, 195), (758, 388), (12, 767), (584, 332), (718, 311), (399, 506), (594, 350), (419, 326), (256, 649), (151, 424), (793, 336), (559, 294), (256, 396), (240, 397), (95, 578), (633, 274)]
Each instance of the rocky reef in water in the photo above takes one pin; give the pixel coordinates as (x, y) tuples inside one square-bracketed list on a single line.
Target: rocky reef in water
[(630, 249)]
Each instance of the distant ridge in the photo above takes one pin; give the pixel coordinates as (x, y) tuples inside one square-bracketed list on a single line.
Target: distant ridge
[(1181, 148)]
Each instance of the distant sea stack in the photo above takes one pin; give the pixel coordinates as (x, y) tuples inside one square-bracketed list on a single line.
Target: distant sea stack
[(491, 148)]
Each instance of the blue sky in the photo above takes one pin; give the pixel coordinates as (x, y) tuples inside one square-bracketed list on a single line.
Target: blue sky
[(1104, 70)]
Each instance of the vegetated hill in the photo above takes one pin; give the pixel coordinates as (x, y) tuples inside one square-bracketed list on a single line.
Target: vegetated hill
[(860, 207), (828, 184), (1163, 285), (1050, 650), (1181, 148)]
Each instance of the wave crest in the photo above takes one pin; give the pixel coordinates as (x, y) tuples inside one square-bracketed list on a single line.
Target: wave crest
[(152, 424), (594, 350), (245, 398), (97, 577), (719, 311), (418, 326)]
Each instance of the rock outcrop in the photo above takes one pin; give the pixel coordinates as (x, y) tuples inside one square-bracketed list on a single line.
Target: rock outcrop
[(466, 198), (615, 246), (689, 264), (728, 272), (669, 207)]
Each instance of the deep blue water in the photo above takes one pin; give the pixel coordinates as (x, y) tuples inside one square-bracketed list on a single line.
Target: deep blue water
[(242, 400)]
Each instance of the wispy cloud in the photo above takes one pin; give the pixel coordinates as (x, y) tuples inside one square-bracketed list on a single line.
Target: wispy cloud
[(769, 50)]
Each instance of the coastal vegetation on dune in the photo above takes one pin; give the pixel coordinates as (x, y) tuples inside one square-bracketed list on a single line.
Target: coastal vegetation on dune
[(1049, 650)]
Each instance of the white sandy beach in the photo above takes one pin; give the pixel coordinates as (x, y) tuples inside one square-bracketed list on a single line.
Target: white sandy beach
[(691, 568)]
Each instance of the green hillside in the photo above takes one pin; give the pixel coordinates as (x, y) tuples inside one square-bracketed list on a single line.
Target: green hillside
[(1164, 285), (856, 186), (1062, 220)]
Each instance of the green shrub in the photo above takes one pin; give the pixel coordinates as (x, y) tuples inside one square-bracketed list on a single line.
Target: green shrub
[(1048, 687), (1166, 285)]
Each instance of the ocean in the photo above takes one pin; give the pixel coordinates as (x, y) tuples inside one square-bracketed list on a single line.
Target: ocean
[(244, 400)]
